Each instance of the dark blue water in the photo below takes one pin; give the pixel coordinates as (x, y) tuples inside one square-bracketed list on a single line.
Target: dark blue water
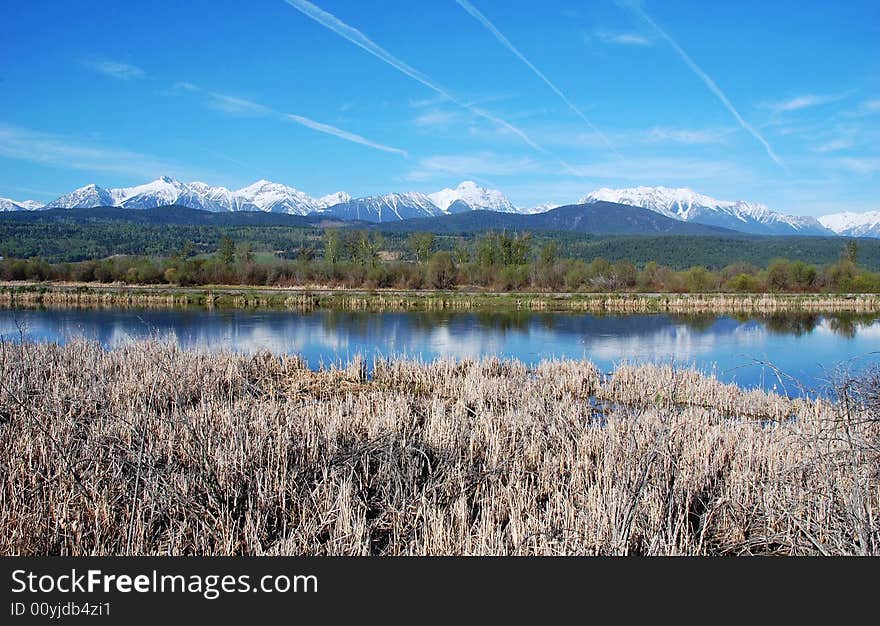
[(806, 347)]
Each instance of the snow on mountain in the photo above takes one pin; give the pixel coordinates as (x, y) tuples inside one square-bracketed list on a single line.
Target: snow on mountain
[(30, 205), (681, 204), (220, 199), (334, 198), (277, 198), (853, 224), (160, 192), (14, 205), (476, 197), (688, 205), (541, 208), (260, 196), (386, 208), (83, 198), (9, 205)]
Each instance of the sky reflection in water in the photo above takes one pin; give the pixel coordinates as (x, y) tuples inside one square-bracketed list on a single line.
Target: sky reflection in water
[(807, 347)]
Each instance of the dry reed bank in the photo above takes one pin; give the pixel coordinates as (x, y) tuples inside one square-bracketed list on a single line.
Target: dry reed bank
[(147, 449), (304, 299)]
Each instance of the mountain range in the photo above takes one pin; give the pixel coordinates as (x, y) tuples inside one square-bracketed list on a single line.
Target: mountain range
[(689, 206), (597, 218), (853, 224), (682, 204)]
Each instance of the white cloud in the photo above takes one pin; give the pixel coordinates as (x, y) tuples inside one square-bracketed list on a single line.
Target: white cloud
[(868, 107), (115, 69), (805, 101), (60, 151), (661, 169), (624, 39), (237, 106), (834, 145), (570, 136), (860, 165), (686, 136), (472, 165), (436, 118)]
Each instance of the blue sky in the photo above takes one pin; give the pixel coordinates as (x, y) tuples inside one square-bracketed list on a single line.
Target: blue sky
[(776, 102)]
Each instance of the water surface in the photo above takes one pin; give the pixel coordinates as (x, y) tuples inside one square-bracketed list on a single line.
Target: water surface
[(803, 346)]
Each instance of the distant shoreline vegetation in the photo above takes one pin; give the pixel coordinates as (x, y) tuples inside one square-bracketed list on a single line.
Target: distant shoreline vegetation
[(82, 295), (495, 262)]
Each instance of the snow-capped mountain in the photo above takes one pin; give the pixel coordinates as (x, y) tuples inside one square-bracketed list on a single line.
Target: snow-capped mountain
[(9, 205), (24, 205), (277, 198), (30, 205), (160, 192), (385, 208), (263, 195), (681, 204), (83, 198), (474, 196), (690, 206), (221, 199), (334, 198), (541, 208), (853, 224)]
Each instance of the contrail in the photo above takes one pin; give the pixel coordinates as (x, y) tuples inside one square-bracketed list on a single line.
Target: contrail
[(359, 39), (635, 6), (342, 134), (475, 13), (240, 104)]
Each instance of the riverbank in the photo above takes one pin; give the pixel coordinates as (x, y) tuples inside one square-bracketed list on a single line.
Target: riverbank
[(306, 299), (148, 450)]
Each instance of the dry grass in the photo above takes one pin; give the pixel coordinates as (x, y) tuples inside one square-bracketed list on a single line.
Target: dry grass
[(307, 299), (148, 449)]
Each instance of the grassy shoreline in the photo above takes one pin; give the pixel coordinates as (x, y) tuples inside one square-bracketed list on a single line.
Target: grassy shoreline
[(147, 449), (311, 298)]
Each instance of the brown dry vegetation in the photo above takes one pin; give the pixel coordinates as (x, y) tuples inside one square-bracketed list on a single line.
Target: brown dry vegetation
[(147, 449), (116, 296)]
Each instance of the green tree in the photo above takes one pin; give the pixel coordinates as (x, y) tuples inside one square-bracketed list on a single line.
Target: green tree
[(226, 251), (801, 275), (647, 278), (549, 254), (699, 279), (778, 275), (246, 254), (743, 283), (461, 253), (625, 274), (517, 249), (851, 251), (421, 245), (365, 248), (187, 250), (840, 274), (332, 246), (488, 253), (441, 271)]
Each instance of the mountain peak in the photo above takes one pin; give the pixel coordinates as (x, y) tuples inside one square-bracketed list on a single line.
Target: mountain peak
[(688, 205), (474, 196), (852, 224)]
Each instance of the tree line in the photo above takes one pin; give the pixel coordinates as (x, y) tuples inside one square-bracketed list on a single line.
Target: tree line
[(498, 261)]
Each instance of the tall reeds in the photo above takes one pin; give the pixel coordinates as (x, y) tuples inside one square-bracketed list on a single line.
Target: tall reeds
[(148, 449)]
